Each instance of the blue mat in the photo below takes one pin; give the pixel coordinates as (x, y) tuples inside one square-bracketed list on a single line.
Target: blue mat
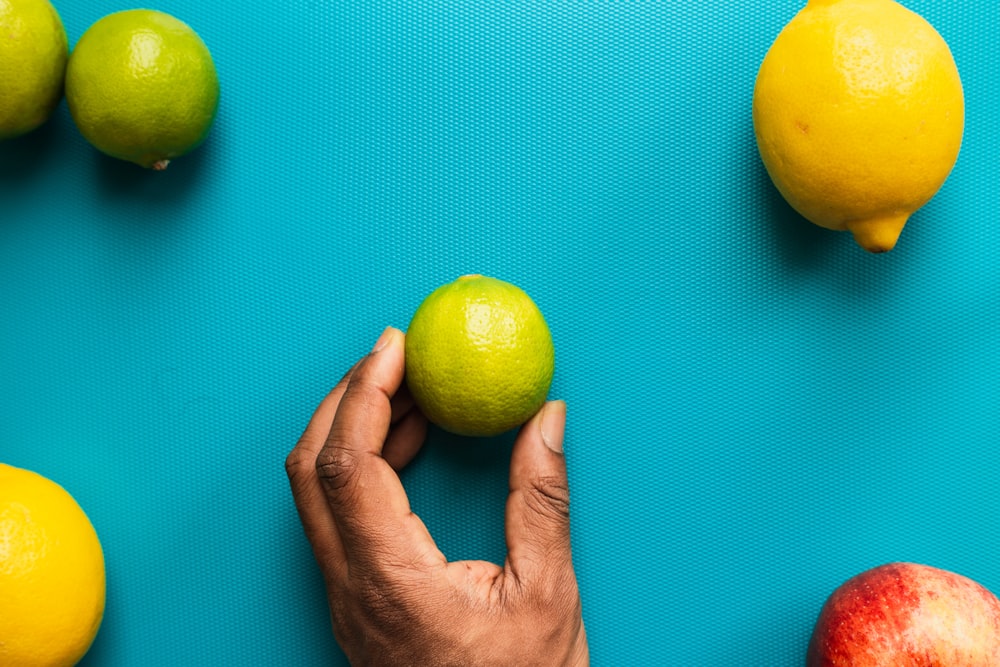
[(757, 408)]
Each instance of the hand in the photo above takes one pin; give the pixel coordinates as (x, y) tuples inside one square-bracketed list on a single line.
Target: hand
[(394, 598)]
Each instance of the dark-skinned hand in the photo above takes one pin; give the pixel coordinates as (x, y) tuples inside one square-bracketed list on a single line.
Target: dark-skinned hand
[(394, 598)]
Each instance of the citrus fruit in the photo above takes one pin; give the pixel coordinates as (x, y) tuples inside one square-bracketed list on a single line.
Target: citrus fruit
[(141, 86), (858, 113), (33, 53), (51, 573), (479, 356)]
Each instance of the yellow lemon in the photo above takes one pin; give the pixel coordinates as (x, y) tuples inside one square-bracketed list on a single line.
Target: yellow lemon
[(858, 113), (479, 356), (51, 573), (33, 53), (141, 86)]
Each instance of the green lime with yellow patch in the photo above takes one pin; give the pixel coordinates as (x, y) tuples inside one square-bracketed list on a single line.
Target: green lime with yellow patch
[(479, 356)]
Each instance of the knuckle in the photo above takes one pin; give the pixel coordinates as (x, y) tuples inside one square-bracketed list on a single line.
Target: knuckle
[(298, 465), (336, 465), (549, 498)]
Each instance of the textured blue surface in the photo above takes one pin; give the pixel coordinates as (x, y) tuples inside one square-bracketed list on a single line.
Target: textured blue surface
[(757, 408)]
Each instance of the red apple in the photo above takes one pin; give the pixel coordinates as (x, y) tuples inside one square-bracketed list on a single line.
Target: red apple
[(907, 615)]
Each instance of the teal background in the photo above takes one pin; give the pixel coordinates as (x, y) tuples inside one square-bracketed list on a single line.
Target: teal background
[(757, 408)]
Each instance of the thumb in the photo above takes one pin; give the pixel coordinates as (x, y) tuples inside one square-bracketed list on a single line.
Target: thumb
[(537, 520)]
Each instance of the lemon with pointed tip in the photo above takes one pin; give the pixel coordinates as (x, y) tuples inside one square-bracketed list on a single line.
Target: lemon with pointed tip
[(141, 86), (858, 113), (52, 580), (479, 356), (33, 54)]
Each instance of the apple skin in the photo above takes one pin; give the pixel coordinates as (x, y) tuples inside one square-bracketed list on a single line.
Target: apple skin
[(907, 615)]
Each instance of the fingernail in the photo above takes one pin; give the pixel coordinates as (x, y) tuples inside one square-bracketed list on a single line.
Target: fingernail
[(553, 425), (383, 340)]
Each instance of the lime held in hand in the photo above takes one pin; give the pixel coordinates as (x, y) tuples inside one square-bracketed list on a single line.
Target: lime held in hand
[(141, 86), (479, 356), (33, 53)]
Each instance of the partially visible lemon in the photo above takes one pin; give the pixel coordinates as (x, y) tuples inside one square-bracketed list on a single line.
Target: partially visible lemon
[(858, 112), (51, 573), (33, 53), (479, 356), (141, 86)]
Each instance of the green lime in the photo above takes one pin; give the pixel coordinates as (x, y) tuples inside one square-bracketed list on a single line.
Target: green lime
[(479, 356), (141, 86), (33, 53)]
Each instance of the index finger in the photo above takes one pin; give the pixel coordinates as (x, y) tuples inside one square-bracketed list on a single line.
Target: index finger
[(367, 499), (307, 492)]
